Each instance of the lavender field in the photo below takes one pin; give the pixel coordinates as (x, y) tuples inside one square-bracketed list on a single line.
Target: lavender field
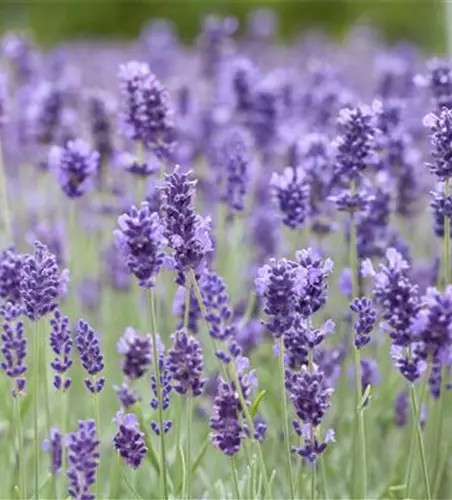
[(225, 267)]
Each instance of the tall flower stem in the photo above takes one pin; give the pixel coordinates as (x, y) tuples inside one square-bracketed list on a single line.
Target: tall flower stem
[(155, 355), (420, 440), (413, 438), (36, 406), (5, 216), (359, 447), (20, 440), (313, 481), (234, 477), (235, 379), (189, 422), (285, 416), (97, 418)]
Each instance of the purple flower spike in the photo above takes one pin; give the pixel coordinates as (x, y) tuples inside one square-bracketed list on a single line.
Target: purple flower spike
[(129, 440), (137, 352), (126, 395), (10, 280), (401, 409), (227, 431), (75, 166), (146, 114), (83, 458), (13, 347), (185, 363), (61, 344), (88, 346), (365, 321), (54, 445), (100, 123), (40, 282), (141, 238), (44, 112), (188, 233), (291, 193), (440, 126)]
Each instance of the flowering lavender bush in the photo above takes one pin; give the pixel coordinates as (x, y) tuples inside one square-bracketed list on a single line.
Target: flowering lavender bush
[(257, 239)]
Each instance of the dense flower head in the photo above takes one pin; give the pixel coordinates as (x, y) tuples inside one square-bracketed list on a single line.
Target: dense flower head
[(291, 193), (75, 166), (355, 144), (365, 320), (52, 234), (433, 323), (309, 394), (352, 202), (395, 295), (83, 458), (244, 75), (146, 113), (185, 364), (100, 123), (44, 112), (141, 237), (187, 232), (441, 206), (40, 282), (129, 440), (126, 395), (439, 82), (216, 301), (277, 282), (440, 127), (61, 344), (234, 165), (13, 347), (409, 362), (54, 445), (88, 347), (227, 432), (265, 114), (316, 270), (137, 352), (10, 275)]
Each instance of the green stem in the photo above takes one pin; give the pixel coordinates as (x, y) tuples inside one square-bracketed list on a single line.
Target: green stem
[(323, 476), (97, 417), (285, 417), (5, 217), (155, 354), (187, 306), (129, 484), (36, 406), (415, 410), (313, 481), (20, 439), (235, 478), (360, 454), (189, 422)]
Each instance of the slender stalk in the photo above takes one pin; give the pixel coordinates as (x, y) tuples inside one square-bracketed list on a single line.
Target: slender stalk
[(155, 355), (189, 422), (187, 306), (36, 407), (97, 417), (285, 417), (415, 409), (313, 481), (129, 484), (323, 477), (235, 478), (20, 439), (5, 217), (359, 450)]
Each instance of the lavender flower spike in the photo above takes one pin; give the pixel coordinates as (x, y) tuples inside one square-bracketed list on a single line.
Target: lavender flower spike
[(83, 460), (129, 440), (88, 346), (61, 343), (440, 126), (75, 166), (54, 445), (141, 237), (137, 352), (365, 322), (40, 282)]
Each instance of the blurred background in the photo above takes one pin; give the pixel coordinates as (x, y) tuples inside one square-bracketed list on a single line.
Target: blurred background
[(49, 21)]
